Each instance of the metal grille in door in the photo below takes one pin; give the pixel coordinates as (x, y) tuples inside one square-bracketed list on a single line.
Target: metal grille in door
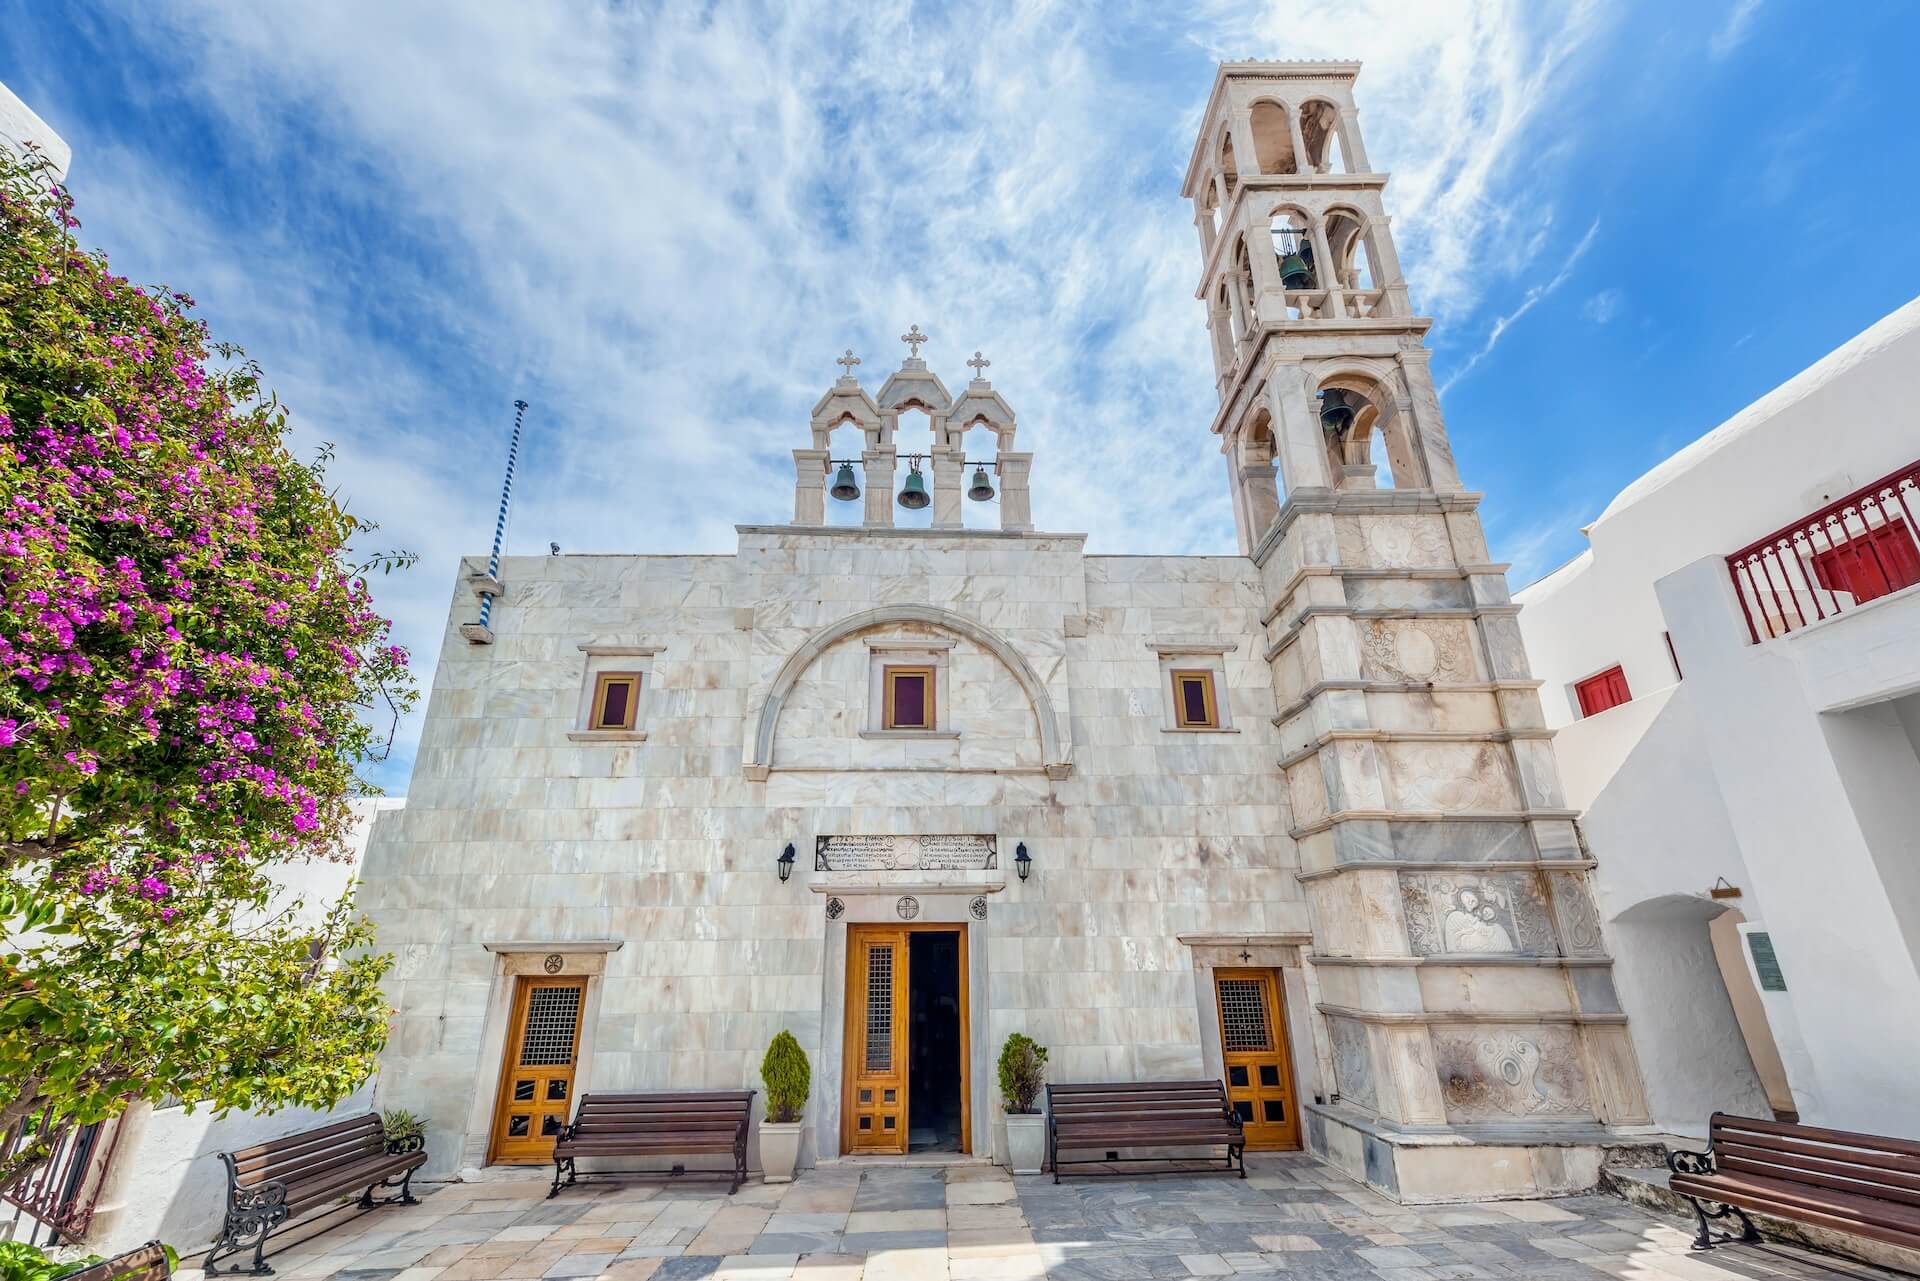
[(552, 1015), (1243, 1016), (880, 1008)]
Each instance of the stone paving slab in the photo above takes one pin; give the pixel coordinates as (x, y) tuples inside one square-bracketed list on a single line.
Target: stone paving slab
[(1292, 1219)]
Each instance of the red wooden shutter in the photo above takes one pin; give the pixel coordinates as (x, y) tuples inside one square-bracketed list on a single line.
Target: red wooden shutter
[(1598, 693)]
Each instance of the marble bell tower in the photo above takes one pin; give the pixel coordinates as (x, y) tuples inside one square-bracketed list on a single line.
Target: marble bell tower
[(1473, 1039)]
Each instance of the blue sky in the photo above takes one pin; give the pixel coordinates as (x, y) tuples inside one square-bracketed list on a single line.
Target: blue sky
[(660, 223)]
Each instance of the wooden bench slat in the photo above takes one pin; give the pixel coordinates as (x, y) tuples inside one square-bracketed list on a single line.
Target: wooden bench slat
[(1818, 1171), (1765, 1147), (1789, 1129), (1111, 1116), (1793, 1200)]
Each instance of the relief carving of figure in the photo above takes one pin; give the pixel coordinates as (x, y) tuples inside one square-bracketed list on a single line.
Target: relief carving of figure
[(1474, 924)]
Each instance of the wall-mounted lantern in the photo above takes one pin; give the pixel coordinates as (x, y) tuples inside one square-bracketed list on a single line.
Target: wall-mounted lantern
[(1022, 861), (786, 861)]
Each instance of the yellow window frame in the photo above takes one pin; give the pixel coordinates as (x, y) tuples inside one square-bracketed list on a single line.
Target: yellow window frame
[(1204, 678), (930, 718), (596, 718)]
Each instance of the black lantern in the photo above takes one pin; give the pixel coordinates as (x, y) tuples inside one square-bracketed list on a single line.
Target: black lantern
[(1022, 861), (786, 861)]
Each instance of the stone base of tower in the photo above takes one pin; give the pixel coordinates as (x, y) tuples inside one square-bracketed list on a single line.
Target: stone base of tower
[(1471, 1163)]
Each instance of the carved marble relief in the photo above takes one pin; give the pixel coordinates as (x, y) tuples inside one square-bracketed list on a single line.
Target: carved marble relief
[(1415, 651), (1451, 777), (1394, 542), (1579, 919), (1353, 1063), (1510, 1073), (1485, 913)]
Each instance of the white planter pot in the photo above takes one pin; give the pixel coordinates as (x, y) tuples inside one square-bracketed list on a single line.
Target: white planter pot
[(779, 1149), (1026, 1142)]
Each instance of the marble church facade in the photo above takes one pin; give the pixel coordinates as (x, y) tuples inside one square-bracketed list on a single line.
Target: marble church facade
[(1141, 791)]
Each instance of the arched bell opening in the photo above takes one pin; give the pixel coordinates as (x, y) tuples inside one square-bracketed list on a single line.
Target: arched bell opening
[(979, 445), (1350, 239), (846, 481), (913, 480), (1256, 480), (1295, 257), (1320, 134), (1273, 139), (1367, 433), (1229, 167)]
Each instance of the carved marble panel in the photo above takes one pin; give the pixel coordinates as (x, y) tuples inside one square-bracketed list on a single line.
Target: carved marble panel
[(1353, 1063), (1579, 920), (1394, 541), (1478, 913), (1510, 1073), (1416, 650), (1451, 777)]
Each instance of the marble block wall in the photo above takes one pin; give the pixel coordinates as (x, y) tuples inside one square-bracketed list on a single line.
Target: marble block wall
[(652, 854)]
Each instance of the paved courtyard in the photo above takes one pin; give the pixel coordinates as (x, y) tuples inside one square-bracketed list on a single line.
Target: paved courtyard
[(1291, 1218)]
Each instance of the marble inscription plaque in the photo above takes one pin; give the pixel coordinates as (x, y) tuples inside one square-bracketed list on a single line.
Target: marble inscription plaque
[(905, 853)]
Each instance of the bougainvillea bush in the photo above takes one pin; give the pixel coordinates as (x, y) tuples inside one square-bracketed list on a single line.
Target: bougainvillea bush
[(187, 659)]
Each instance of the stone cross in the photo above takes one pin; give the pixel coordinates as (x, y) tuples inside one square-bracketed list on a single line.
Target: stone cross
[(979, 365), (913, 338), (849, 360)]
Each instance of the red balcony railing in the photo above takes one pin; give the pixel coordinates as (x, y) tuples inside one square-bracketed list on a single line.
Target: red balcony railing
[(61, 1191), (1847, 553)]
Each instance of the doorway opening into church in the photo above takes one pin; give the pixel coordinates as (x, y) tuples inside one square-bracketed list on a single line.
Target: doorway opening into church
[(906, 1047), (933, 1042)]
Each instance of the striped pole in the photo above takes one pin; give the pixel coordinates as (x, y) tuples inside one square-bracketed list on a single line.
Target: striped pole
[(506, 499)]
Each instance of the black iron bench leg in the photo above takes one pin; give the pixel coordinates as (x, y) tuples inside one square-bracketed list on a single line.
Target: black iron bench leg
[(558, 1163), (1705, 1240)]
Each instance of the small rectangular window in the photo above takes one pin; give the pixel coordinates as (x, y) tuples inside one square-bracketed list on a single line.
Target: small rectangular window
[(1598, 693), (1193, 701), (616, 697), (909, 698)]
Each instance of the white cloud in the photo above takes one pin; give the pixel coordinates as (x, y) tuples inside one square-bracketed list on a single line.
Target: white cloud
[(1733, 30), (1603, 306), (1532, 298), (661, 224)]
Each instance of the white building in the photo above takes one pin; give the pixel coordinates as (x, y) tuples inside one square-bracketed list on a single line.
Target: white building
[(1291, 817), (1733, 666), (20, 125)]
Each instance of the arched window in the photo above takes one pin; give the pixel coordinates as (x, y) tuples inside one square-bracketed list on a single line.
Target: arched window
[(1229, 169), (1319, 130), (1363, 425), (1272, 140)]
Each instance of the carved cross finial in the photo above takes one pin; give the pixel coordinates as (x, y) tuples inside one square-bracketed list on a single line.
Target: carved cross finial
[(979, 365), (913, 338), (1245, 956), (849, 360)]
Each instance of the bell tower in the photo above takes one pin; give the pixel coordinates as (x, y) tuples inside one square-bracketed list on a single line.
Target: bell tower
[(1469, 1037)]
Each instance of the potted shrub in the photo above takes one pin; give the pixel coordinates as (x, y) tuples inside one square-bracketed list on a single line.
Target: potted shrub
[(1023, 1069), (789, 1079)]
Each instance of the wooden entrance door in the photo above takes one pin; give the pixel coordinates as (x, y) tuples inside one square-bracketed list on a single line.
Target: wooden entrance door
[(874, 1113), (536, 1077), (1253, 1043)]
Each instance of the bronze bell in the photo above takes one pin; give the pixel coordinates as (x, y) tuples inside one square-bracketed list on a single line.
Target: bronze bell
[(982, 488), (1296, 272), (913, 494), (845, 488), (1336, 415)]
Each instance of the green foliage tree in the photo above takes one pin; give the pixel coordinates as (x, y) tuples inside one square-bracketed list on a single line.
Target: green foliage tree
[(788, 1077), (188, 664), (1023, 1070)]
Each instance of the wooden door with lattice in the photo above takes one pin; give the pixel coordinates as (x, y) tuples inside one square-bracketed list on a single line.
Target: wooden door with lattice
[(537, 1072), (1253, 1044), (876, 1040)]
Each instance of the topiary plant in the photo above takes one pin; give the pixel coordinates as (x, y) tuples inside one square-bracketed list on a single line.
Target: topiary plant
[(789, 1079), (1023, 1069)]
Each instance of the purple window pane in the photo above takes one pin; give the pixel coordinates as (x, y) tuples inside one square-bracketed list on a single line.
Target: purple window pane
[(1193, 696), (613, 711), (910, 701)]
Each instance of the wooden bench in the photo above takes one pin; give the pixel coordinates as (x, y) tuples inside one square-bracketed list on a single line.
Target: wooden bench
[(149, 1262), (1142, 1114), (686, 1124), (275, 1182), (1855, 1183)]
